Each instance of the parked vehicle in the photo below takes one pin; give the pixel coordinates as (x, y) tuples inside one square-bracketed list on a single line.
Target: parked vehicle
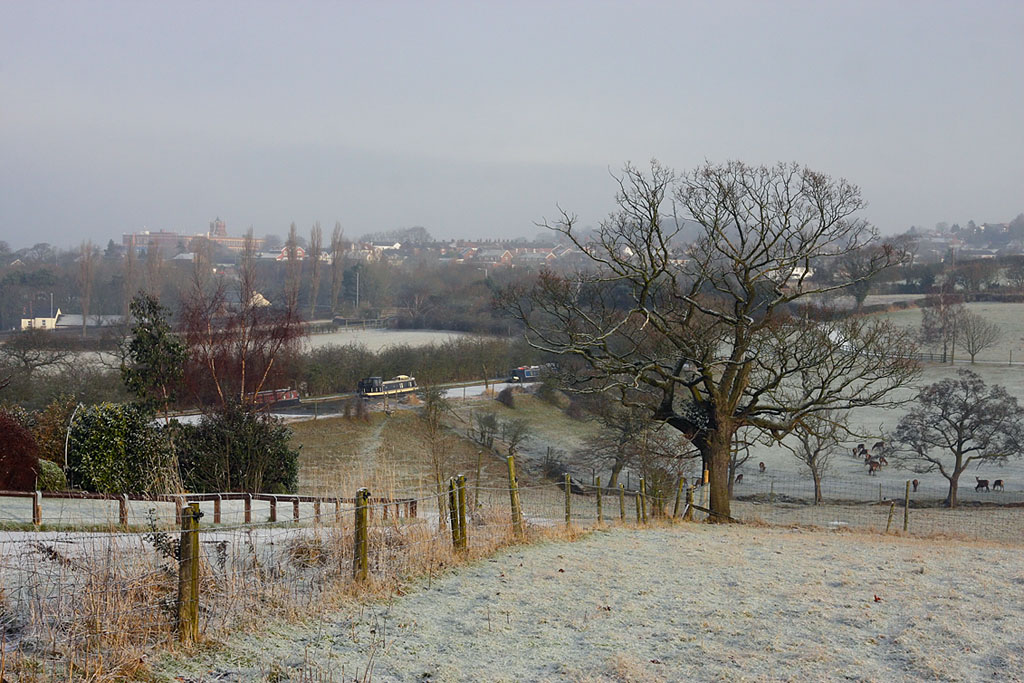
[(372, 387), (525, 373)]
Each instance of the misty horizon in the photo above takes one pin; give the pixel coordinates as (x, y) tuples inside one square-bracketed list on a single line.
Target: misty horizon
[(479, 121)]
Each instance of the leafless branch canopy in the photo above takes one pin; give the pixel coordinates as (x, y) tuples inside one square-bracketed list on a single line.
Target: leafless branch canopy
[(706, 327)]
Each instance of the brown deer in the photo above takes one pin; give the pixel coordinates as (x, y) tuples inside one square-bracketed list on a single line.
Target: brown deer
[(982, 485), (915, 483), (998, 485), (873, 466), (761, 465), (739, 478)]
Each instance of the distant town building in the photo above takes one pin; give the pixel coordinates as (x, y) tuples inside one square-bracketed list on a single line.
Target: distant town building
[(171, 243), (40, 323)]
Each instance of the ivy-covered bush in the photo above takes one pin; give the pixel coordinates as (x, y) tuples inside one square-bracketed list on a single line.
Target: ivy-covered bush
[(51, 477), (118, 448), (237, 449)]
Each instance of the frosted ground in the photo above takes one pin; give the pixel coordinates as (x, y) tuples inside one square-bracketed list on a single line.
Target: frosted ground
[(692, 601), (375, 340)]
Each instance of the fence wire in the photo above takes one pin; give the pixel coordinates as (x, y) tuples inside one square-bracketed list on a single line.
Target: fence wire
[(65, 591)]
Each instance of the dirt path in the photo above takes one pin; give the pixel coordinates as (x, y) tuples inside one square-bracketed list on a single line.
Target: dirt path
[(696, 601)]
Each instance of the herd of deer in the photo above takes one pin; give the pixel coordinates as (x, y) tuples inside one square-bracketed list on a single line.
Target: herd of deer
[(873, 458)]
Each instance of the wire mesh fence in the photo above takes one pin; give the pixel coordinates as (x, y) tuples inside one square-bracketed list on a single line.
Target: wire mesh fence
[(868, 503), (88, 592)]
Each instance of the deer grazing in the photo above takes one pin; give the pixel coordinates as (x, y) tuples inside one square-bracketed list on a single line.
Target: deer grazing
[(997, 485), (982, 485), (915, 483), (873, 466)]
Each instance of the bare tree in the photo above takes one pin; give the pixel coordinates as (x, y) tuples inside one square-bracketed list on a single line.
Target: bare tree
[(439, 444), (977, 334), (236, 341), (316, 238), (484, 427), (860, 267), (154, 270), (514, 432), (940, 321), (293, 274), (705, 328), (956, 422), (129, 278), (815, 440), (973, 276), (1015, 273), (86, 272), (32, 350), (337, 265)]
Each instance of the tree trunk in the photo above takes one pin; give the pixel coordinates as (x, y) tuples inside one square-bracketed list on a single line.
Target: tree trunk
[(954, 483), (817, 487), (613, 482), (716, 452)]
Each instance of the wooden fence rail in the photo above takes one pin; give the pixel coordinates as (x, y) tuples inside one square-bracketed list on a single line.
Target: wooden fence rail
[(399, 507)]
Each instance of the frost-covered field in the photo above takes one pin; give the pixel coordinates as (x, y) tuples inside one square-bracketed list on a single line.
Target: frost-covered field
[(1009, 317), (689, 602), (375, 340), (876, 420)]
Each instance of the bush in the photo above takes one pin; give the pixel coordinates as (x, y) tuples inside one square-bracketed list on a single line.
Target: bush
[(51, 477), (51, 428), (116, 448), (18, 462), (236, 449), (506, 398)]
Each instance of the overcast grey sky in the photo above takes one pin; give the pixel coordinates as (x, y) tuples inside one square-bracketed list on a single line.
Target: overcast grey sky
[(475, 119)]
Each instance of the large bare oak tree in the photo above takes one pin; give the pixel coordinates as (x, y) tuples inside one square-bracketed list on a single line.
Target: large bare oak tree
[(705, 328)]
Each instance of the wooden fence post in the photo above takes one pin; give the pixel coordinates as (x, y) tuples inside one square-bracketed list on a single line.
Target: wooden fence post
[(188, 575), (273, 508), (453, 512), (643, 501), (568, 502), (688, 515), (679, 495), (463, 531), (636, 499), (122, 510), (295, 509), (600, 512), (906, 509), (888, 522), (216, 509), (178, 510), (316, 511), (37, 508), (248, 508), (622, 504), (337, 510), (513, 495), (361, 552)]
